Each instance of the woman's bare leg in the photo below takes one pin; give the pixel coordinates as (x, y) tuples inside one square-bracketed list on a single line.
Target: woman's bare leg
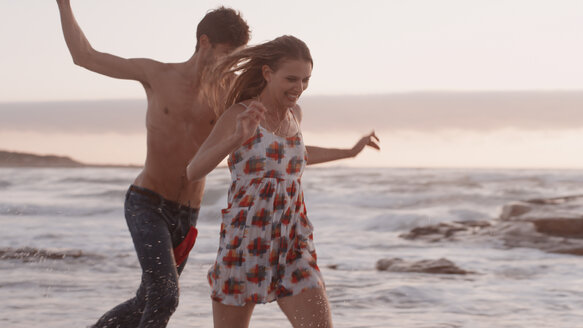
[(230, 316), (310, 308)]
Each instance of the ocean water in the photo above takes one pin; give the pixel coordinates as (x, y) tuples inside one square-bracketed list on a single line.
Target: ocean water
[(358, 216)]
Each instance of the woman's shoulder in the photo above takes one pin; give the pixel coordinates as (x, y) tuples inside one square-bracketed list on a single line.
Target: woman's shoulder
[(229, 116), (297, 112), (237, 108)]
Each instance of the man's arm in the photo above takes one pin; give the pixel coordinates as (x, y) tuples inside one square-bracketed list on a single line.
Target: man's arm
[(85, 56)]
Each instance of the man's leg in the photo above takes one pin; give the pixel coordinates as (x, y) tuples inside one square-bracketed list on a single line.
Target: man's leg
[(129, 313), (157, 297)]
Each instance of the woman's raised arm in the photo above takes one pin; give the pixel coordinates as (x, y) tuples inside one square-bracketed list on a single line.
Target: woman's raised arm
[(233, 128)]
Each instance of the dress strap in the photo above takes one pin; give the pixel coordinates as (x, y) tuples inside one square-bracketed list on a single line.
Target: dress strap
[(295, 119)]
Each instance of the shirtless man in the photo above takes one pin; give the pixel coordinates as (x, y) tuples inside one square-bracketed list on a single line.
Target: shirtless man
[(161, 206)]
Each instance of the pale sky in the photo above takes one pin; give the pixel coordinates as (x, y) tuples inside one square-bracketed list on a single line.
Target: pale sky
[(416, 49), (359, 47)]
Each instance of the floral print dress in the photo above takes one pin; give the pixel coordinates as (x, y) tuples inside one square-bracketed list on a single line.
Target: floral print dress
[(266, 246)]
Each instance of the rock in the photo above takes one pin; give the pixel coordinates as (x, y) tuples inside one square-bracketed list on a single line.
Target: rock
[(441, 266), (572, 251), (513, 210), (557, 216), (561, 227), (445, 231), (555, 200)]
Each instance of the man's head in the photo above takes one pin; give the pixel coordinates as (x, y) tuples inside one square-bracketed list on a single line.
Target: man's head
[(223, 26)]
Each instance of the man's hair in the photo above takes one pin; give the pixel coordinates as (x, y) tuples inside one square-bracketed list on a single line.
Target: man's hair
[(223, 26)]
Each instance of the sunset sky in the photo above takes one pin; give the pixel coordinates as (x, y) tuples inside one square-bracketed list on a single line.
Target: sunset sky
[(359, 48)]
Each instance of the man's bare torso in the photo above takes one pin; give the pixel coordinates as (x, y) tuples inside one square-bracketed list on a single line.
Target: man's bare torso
[(177, 123), (177, 120)]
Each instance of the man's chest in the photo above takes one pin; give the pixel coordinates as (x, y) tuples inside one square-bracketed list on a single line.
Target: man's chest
[(175, 104)]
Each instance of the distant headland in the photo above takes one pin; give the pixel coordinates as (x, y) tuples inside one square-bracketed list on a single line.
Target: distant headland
[(17, 159)]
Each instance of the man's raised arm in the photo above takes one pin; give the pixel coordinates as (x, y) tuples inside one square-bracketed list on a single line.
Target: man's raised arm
[(85, 56)]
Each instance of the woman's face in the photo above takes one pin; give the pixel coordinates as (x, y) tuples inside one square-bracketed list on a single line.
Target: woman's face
[(289, 81)]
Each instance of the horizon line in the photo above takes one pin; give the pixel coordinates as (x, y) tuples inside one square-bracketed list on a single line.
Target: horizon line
[(83, 164), (395, 93)]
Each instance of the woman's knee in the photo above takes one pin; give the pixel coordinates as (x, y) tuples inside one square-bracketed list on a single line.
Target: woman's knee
[(230, 316), (310, 308)]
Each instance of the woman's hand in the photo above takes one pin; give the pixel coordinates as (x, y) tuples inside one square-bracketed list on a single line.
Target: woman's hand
[(368, 140), (248, 120), (232, 129), (321, 155)]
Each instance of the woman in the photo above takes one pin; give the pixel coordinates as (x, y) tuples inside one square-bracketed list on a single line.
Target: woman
[(266, 250)]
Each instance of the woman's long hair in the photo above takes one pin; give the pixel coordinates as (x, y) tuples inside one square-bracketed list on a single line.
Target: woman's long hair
[(238, 76)]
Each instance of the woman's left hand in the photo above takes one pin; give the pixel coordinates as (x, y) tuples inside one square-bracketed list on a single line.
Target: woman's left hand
[(370, 140)]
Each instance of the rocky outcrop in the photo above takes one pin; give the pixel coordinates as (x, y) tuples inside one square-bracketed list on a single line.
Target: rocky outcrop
[(13, 159), (441, 266), (450, 231), (550, 224), (559, 216)]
